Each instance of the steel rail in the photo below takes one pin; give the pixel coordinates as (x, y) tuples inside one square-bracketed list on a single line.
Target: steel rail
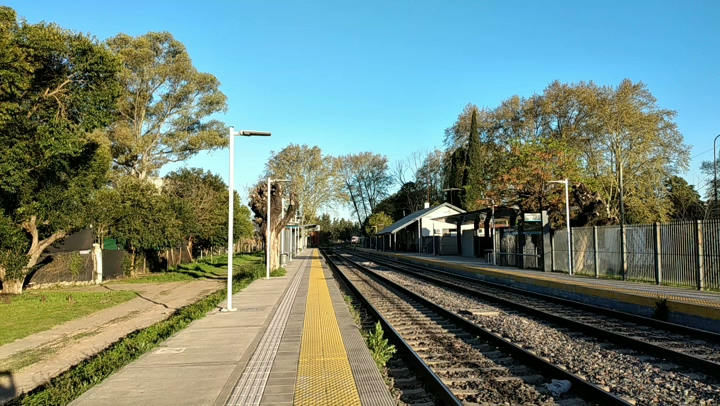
[(440, 390), (690, 361), (550, 370)]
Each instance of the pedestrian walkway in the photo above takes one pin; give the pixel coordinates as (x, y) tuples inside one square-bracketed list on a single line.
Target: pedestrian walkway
[(59, 348), (697, 308), (291, 341)]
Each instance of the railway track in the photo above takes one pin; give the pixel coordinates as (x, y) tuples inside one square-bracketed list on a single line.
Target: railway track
[(661, 348), (460, 361), (689, 347)]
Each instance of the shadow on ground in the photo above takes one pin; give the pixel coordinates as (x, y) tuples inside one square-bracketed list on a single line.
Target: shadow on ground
[(7, 386)]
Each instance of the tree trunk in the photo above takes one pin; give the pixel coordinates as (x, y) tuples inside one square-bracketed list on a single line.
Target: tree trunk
[(132, 262), (13, 286), (189, 249), (275, 254)]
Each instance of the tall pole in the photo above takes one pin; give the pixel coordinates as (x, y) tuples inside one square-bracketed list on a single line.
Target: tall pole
[(622, 221), (492, 220), (231, 208), (567, 221), (268, 242), (715, 173)]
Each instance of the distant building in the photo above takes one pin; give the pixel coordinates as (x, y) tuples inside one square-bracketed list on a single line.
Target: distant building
[(418, 231)]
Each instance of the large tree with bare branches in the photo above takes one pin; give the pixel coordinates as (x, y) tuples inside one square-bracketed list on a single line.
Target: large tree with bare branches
[(57, 88)]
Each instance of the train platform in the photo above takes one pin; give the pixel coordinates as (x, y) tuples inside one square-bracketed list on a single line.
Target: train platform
[(700, 309), (292, 340)]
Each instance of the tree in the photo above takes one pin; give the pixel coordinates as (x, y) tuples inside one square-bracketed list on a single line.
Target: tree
[(637, 146), (432, 172), (617, 135), (201, 201), (161, 115), (474, 177), (101, 214), (310, 174), (530, 167), (279, 217), (473, 156), (145, 218), (243, 226), (365, 181), (685, 200), (708, 170), (377, 222), (58, 87)]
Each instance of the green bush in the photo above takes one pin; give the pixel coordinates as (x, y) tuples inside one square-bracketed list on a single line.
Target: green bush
[(379, 348)]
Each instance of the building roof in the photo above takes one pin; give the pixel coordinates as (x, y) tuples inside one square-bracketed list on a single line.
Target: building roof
[(403, 222), (472, 216)]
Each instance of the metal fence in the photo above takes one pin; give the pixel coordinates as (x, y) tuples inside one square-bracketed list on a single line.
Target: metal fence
[(682, 253)]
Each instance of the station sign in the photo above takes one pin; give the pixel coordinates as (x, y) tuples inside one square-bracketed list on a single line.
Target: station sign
[(532, 217), (501, 223)]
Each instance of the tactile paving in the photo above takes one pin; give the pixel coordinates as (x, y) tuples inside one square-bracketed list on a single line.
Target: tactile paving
[(249, 389), (324, 375)]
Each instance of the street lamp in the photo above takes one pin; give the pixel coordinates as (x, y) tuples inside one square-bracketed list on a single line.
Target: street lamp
[(492, 231), (451, 194), (567, 222), (269, 235), (231, 196), (715, 172)]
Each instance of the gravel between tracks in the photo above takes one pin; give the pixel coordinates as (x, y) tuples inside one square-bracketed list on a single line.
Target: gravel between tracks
[(627, 375)]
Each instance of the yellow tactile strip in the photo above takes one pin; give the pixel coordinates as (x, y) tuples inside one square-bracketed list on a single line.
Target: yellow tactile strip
[(691, 306), (324, 375)]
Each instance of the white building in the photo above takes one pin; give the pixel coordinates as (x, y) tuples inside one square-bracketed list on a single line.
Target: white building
[(423, 231)]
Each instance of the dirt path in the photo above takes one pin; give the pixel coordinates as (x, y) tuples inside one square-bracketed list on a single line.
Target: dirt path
[(33, 360)]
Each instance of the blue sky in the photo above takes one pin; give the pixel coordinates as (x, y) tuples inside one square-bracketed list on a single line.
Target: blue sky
[(390, 76)]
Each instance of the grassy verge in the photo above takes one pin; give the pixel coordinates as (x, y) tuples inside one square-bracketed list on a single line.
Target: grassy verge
[(215, 268), (73, 383), (35, 311)]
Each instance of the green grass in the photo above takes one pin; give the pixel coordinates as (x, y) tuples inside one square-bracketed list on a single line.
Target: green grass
[(156, 278), (73, 383), (278, 273), (204, 268), (27, 314)]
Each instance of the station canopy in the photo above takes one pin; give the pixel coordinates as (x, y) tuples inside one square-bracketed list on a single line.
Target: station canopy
[(412, 217), (479, 215)]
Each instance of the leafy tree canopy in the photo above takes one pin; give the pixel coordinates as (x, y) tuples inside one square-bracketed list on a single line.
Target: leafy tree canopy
[(162, 115), (57, 88)]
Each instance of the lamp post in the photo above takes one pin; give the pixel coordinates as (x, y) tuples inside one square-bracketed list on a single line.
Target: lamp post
[(492, 231), (231, 196), (715, 172), (451, 194), (268, 240), (567, 222)]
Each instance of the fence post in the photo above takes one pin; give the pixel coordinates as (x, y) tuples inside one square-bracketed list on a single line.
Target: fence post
[(623, 252), (595, 252), (658, 254), (97, 257), (700, 256), (552, 251)]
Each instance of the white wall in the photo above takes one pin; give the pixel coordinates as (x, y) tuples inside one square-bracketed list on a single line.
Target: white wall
[(428, 223)]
